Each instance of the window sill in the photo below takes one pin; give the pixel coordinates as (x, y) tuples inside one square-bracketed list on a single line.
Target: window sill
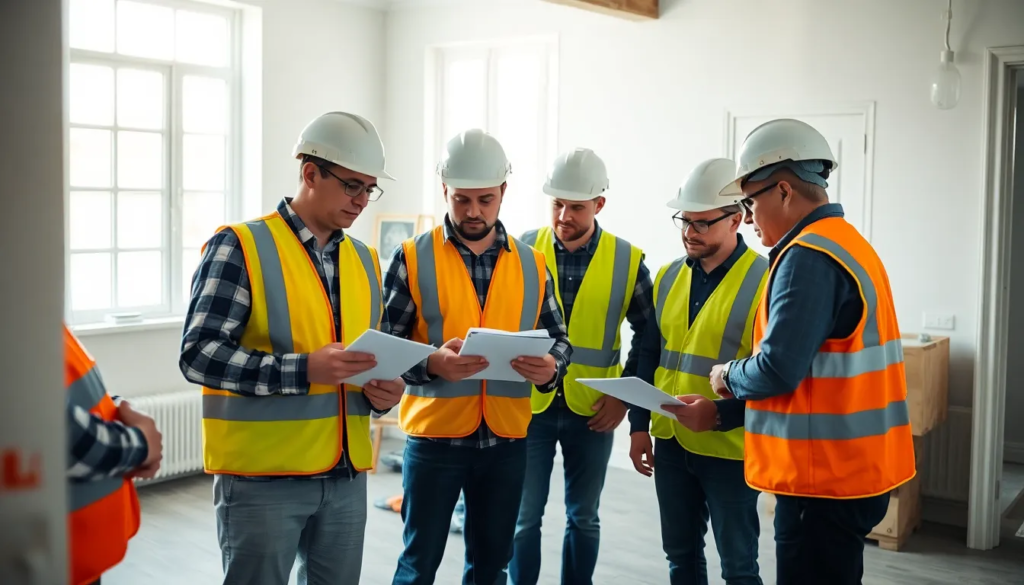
[(144, 325)]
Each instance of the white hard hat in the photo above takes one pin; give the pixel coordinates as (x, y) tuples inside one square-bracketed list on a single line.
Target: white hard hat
[(776, 141), (699, 191), (346, 140), (577, 175), (474, 160)]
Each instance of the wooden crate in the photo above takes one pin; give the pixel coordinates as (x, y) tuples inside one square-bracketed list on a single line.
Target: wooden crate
[(927, 369), (902, 518)]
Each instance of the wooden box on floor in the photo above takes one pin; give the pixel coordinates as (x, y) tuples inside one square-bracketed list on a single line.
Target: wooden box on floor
[(927, 369), (902, 518)]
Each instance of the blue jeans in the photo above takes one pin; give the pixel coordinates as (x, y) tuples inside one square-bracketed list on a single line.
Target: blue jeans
[(432, 475), (263, 526), (585, 457), (691, 486), (819, 540)]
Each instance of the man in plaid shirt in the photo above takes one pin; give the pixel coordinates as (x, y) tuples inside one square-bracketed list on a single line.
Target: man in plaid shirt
[(593, 269), (487, 467)]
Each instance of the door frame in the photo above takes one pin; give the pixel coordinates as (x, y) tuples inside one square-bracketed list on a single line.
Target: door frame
[(989, 402), (865, 108)]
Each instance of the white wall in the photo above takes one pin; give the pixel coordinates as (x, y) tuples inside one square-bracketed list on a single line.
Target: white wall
[(1014, 447), (651, 98), (318, 56)]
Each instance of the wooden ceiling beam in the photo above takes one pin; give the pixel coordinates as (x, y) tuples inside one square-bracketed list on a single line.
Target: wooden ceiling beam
[(628, 9)]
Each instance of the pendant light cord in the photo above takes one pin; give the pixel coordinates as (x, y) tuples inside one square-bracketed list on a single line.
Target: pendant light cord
[(949, 19)]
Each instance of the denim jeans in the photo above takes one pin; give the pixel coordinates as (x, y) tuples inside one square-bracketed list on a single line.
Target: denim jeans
[(263, 526), (432, 475), (820, 540), (585, 457), (690, 487)]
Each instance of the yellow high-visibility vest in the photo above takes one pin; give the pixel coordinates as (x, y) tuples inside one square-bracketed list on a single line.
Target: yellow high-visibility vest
[(720, 333), (291, 313), (597, 315)]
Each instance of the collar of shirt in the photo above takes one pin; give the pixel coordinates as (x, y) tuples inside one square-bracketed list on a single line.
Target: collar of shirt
[(500, 240), (827, 210), (299, 227), (589, 248), (726, 266)]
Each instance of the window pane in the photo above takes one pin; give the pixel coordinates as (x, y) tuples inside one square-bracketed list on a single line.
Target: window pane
[(465, 97), (140, 220), (202, 39), (520, 128), (140, 99), (204, 104), (90, 158), (92, 25), (92, 94), (89, 218), (90, 282), (203, 162), (190, 258), (140, 160), (139, 279), (202, 213), (145, 30)]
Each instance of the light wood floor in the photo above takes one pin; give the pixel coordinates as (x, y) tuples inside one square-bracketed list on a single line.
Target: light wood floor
[(178, 542)]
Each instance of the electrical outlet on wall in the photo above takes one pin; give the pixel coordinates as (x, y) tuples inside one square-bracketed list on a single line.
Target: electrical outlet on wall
[(939, 321)]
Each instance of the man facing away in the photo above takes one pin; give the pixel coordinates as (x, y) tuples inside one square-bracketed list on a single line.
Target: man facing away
[(601, 281), (468, 434), (275, 301), (704, 311), (109, 443), (827, 426)]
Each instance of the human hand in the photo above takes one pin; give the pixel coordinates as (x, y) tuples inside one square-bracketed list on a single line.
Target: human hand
[(718, 381), (154, 439), (332, 363), (384, 394), (699, 414), (610, 412), (641, 452), (537, 371), (449, 365)]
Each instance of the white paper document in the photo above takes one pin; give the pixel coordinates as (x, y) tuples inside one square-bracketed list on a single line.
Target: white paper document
[(394, 356), (501, 347), (633, 391)]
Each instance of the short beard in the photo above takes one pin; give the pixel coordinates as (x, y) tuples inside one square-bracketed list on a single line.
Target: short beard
[(472, 237), (577, 234), (707, 252)]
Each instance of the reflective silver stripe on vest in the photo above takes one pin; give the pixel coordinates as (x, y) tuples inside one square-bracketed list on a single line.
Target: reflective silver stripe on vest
[(279, 321), (827, 427), (732, 336), (430, 311), (875, 356), (83, 493), (358, 404), (270, 408), (530, 238), (88, 390), (366, 258)]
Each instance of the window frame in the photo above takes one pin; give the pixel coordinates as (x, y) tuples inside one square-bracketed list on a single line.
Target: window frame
[(174, 301)]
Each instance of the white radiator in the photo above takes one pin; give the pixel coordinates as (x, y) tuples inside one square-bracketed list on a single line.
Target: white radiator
[(178, 416), (944, 458)]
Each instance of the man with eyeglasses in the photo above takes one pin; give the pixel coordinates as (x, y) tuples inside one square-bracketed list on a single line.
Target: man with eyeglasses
[(704, 305), (286, 440)]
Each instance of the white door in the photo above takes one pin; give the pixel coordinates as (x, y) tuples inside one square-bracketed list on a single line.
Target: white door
[(847, 133)]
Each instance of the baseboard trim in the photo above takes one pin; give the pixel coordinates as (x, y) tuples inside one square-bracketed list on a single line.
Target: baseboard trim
[(946, 512), (1013, 452)]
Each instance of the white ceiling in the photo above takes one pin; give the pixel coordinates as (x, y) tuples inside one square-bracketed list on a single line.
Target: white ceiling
[(386, 5)]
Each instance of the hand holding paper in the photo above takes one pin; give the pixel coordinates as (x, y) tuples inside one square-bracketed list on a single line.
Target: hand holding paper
[(503, 350), (332, 363), (448, 364), (394, 357), (537, 370), (634, 391)]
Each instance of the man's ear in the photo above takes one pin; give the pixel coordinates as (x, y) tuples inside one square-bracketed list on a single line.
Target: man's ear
[(600, 204), (503, 185)]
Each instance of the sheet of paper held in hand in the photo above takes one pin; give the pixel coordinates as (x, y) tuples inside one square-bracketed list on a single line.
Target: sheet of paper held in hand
[(501, 347), (633, 391), (394, 356)]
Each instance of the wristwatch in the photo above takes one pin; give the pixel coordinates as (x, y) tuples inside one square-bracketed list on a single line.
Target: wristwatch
[(725, 375)]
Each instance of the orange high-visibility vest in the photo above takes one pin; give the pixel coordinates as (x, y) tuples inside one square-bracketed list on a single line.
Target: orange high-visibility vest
[(447, 307), (103, 514), (845, 431)]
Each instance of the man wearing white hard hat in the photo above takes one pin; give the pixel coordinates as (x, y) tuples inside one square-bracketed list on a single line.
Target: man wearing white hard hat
[(275, 301), (827, 427), (601, 281), (468, 434), (704, 311)]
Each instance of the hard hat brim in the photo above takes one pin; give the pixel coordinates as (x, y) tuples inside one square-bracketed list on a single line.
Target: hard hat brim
[(569, 195), (306, 148), (693, 207), (472, 183)]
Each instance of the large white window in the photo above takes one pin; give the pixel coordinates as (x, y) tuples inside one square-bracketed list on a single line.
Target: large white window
[(154, 141), (508, 89)]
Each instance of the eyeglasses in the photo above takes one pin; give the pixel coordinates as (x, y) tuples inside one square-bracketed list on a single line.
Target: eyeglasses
[(699, 225), (373, 193), (747, 202)]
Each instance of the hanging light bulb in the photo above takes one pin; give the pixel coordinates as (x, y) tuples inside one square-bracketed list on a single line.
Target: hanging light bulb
[(946, 77)]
